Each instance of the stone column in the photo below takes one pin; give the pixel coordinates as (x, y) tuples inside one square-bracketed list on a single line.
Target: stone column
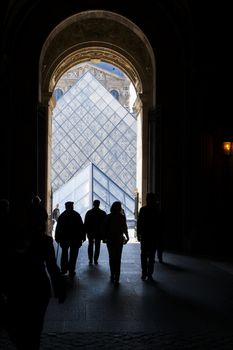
[(43, 139), (154, 161)]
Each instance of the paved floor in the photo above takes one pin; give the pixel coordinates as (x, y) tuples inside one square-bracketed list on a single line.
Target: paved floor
[(188, 306)]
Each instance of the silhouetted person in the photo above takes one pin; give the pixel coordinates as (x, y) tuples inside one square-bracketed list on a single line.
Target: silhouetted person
[(33, 276), (116, 234), (37, 217), (149, 226), (70, 234), (5, 248), (160, 234), (94, 224), (55, 214)]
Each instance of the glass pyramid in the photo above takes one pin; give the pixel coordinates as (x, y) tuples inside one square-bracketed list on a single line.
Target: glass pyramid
[(91, 126), (89, 184)]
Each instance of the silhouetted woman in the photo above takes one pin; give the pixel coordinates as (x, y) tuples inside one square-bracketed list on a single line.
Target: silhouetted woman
[(116, 234)]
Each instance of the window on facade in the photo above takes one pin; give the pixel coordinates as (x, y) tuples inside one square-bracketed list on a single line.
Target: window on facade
[(115, 94), (57, 94)]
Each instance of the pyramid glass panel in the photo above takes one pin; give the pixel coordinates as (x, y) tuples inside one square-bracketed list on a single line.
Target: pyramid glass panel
[(91, 126), (89, 184)]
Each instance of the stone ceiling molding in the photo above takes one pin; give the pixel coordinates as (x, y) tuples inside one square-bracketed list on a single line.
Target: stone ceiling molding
[(100, 53), (112, 38), (98, 34)]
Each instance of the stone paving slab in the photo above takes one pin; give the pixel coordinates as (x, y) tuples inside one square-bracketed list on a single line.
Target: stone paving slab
[(136, 341)]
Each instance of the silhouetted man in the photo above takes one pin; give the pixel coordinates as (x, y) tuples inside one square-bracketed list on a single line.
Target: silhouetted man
[(149, 230), (70, 234), (56, 213), (37, 217), (94, 222)]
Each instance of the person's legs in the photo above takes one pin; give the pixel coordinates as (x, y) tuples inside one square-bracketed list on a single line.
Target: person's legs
[(74, 249), (97, 250), (64, 257), (90, 250), (117, 262), (151, 262), (144, 261), (111, 261)]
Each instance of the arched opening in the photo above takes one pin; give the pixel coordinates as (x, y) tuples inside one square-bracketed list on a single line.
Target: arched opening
[(118, 41), (94, 139)]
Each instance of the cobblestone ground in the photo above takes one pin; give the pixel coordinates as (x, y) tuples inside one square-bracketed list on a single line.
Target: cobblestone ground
[(136, 341), (188, 306)]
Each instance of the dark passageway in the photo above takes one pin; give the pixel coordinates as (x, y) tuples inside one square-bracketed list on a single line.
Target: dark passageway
[(176, 55)]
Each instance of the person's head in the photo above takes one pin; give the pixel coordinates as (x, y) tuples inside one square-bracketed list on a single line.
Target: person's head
[(116, 207), (69, 205), (57, 205), (151, 198), (96, 203), (4, 206)]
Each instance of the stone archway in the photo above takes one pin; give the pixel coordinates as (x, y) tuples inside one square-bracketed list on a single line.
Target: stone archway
[(112, 38)]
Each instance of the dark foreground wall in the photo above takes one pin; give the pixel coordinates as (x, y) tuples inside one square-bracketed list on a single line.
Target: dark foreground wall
[(195, 179)]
